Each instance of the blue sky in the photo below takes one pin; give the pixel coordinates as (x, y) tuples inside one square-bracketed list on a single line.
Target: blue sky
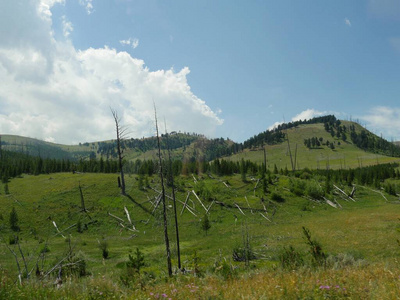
[(221, 68)]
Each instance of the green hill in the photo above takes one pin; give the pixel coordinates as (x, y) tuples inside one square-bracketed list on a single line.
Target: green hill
[(340, 144), (344, 155)]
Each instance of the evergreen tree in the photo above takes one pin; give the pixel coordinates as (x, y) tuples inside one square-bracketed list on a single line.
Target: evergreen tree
[(205, 223), (14, 220)]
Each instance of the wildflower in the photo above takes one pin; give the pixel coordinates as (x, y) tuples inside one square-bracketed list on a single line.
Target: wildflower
[(164, 295), (324, 287)]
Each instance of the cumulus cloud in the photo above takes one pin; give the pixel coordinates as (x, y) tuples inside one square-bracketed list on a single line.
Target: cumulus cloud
[(304, 115), (52, 91), (130, 42), (347, 22), (384, 120), (309, 114), (67, 26), (88, 6)]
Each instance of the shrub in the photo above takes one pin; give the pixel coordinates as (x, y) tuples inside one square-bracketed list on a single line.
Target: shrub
[(243, 254), (390, 189), (45, 249), (205, 223), (290, 258), (318, 256), (297, 186), (76, 266), (103, 245), (223, 268), (343, 260), (314, 190), (135, 263), (14, 220), (13, 239), (277, 197)]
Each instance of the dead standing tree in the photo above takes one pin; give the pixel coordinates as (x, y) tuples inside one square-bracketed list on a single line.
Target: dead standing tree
[(121, 131), (171, 178), (163, 199)]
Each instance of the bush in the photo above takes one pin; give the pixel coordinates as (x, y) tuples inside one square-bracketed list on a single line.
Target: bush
[(314, 190), (14, 220), (135, 263), (390, 189), (13, 239), (224, 269), (243, 254), (343, 260), (76, 266), (290, 258), (45, 249), (277, 197), (318, 256), (103, 245), (205, 223), (297, 186)]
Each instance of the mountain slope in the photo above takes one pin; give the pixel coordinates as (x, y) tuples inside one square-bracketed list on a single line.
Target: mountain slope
[(336, 144), (343, 155)]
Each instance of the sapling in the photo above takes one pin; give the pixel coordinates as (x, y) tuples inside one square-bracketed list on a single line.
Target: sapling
[(319, 257)]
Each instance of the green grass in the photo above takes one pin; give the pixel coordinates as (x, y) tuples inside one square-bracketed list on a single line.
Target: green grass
[(367, 228), (345, 155)]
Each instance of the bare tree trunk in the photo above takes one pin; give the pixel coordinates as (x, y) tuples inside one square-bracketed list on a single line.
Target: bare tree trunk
[(265, 159), (290, 152), (83, 207), (174, 200), (163, 200), (120, 135)]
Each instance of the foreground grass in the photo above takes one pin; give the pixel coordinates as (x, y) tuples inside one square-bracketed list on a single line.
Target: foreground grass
[(371, 282), (365, 230)]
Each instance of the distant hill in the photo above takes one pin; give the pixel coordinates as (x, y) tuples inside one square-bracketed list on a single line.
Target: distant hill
[(323, 142)]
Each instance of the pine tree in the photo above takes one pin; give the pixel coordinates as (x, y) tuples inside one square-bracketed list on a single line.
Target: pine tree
[(205, 223), (14, 220)]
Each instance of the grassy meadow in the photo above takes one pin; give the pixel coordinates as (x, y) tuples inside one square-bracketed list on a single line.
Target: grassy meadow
[(358, 240), (345, 155)]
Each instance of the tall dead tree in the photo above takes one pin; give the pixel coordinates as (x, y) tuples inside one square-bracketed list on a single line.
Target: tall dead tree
[(166, 239), (83, 207), (265, 157), (171, 174), (121, 131)]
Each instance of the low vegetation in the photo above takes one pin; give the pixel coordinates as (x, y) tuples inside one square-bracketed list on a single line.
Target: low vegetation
[(247, 229)]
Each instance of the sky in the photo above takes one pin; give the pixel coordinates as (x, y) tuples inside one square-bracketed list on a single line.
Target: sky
[(222, 68)]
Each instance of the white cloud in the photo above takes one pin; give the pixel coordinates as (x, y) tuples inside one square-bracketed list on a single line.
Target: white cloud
[(67, 26), (384, 120), (130, 42), (347, 22), (304, 115), (88, 5), (309, 114), (52, 91), (276, 124)]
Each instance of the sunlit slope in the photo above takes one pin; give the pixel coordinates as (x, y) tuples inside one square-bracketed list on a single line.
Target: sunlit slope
[(344, 155)]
